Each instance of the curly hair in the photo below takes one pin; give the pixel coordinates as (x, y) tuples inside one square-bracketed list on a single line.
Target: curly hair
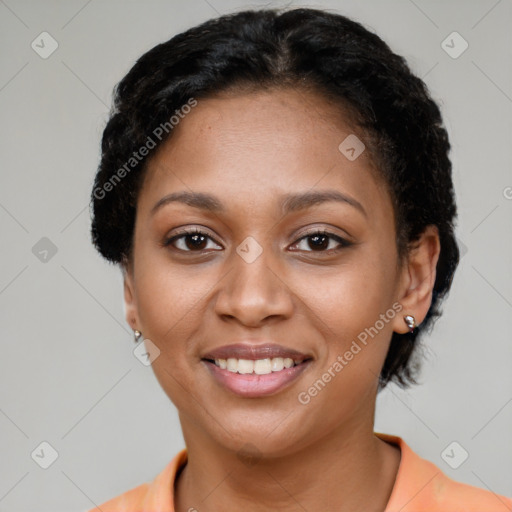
[(327, 53)]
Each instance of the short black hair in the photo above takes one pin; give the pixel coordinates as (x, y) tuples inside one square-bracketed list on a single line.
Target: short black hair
[(327, 53)]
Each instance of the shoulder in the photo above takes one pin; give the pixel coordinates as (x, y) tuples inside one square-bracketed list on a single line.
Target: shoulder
[(421, 486), (156, 496), (453, 495)]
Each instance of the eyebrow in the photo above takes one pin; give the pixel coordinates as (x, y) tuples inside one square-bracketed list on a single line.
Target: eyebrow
[(295, 202), (290, 202)]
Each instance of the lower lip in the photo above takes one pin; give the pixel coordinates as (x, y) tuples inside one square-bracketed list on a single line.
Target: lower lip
[(252, 385)]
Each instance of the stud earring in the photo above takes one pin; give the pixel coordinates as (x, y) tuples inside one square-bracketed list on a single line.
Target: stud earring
[(410, 321), (136, 335)]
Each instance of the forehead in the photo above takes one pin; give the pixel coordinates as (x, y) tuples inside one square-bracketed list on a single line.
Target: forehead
[(260, 144), (280, 120)]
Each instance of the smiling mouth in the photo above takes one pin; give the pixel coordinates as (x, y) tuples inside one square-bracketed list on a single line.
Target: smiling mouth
[(257, 366)]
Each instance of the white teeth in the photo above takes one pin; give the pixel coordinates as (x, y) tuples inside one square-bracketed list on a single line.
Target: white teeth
[(245, 366), (277, 364), (259, 366), (232, 364), (288, 362), (262, 366)]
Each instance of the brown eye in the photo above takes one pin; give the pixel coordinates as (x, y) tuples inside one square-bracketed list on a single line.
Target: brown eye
[(321, 241), (190, 241)]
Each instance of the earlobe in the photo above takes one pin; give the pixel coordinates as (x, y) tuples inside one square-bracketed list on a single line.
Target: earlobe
[(419, 275)]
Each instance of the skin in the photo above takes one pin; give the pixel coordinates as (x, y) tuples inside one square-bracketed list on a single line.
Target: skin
[(248, 150)]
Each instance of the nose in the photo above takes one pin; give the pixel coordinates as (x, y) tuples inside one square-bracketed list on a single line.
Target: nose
[(253, 292)]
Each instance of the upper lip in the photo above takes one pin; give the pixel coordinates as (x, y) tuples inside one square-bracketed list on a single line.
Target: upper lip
[(254, 352)]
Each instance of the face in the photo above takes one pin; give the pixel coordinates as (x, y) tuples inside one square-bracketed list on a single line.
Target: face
[(260, 263)]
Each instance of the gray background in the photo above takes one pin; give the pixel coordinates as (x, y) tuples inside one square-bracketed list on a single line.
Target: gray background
[(68, 375)]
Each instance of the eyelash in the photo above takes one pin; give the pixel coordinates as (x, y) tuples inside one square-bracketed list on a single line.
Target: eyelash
[(322, 232)]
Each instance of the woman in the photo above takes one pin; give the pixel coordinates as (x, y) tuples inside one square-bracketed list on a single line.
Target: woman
[(277, 191)]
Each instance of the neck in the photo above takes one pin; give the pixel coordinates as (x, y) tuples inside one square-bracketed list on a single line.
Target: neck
[(349, 470)]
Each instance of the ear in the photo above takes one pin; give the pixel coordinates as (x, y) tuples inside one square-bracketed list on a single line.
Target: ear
[(130, 303), (417, 279)]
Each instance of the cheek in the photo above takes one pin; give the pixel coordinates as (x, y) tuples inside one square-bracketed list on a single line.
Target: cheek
[(349, 307), (165, 290), (351, 298), (349, 304), (170, 311), (172, 302)]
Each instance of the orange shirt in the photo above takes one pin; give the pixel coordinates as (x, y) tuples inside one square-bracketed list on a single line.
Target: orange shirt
[(420, 486)]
